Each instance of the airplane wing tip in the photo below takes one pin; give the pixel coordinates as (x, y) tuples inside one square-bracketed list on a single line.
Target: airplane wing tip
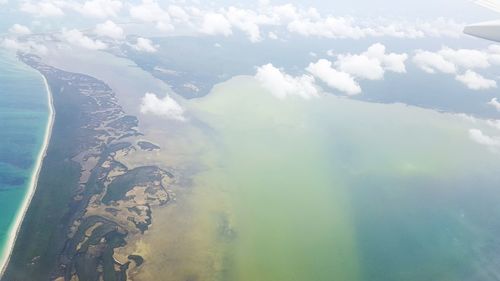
[(493, 5), (485, 31)]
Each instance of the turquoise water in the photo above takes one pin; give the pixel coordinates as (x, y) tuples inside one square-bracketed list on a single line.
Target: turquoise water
[(23, 115)]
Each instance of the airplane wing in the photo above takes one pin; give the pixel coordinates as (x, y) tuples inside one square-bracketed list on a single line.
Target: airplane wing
[(493, 5), (487, 30)]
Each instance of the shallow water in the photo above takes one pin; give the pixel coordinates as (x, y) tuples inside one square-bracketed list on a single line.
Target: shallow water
[(329, 189), (23, 115)]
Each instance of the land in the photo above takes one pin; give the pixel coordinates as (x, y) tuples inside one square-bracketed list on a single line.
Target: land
[(87, 202)]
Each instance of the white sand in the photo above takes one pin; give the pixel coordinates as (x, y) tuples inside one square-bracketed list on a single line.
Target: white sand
[(7, 252)]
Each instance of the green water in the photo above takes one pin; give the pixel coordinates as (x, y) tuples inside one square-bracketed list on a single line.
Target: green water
[(23, 115), (334, 189)]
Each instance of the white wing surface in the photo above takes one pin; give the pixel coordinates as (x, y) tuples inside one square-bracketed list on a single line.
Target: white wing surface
[(493, 5), (487, 30)]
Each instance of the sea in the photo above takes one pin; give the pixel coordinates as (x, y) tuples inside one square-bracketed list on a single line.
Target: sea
[(23, 118)]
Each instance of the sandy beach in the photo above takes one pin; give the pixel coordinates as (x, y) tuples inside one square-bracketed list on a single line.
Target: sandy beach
[(5, 256)]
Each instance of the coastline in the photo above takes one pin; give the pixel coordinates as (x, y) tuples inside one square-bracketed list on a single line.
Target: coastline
[(7, 252)]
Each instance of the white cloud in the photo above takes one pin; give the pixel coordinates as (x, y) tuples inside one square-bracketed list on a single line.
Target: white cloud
[(310, 23), (467, 117), (475, 81), (109, 29), (494, 54), (164, 26), (178, 13), (479, 137), (11, 44), (149, 11), (248, 21), (391, 62), (215, 24), (284, 13), (341, 81), (144, 45), (77, 38), (371, 64), (272, 35), (245, 20), (494, 123), (313, 24), (19, 29), (282, 85), (4, 2), (449, 60), (224, 20), (466, 58), (42, 9), (27, 46), (360, 66), (101, 8), (440, 27), (494, 102), (454, 61), (330, 27), (166, 107), (431, 62)]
